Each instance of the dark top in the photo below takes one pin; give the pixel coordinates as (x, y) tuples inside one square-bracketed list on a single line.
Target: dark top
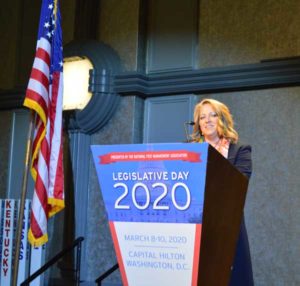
[(240, 156)]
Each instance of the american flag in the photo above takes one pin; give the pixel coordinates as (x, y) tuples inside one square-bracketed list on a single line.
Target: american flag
[(44, 96)]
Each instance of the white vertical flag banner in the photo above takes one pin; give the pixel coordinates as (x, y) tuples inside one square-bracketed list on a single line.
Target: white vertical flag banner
[(24, 247), (7, 242)]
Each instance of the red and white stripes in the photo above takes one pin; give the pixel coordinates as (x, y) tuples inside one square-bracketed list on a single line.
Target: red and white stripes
[(44, 96)]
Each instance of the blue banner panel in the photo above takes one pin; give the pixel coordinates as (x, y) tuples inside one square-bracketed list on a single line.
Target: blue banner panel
[(152, 182)]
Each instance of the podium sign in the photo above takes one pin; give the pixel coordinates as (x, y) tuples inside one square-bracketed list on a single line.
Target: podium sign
[(154, 197)]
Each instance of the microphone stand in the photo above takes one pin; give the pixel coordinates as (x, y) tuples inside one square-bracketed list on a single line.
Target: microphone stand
[(185, 129)]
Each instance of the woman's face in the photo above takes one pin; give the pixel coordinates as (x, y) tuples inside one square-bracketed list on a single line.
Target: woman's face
[(208, 122)]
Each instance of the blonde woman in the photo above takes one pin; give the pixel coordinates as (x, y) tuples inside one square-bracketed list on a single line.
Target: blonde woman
[(214, 125)]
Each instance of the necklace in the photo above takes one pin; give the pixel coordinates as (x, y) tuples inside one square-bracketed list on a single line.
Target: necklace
[(222, 146)]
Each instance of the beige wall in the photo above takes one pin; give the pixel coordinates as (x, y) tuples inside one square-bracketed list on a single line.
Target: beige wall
[(268, 120), (240, 32), (118, 27), (18, 35), (9, 37), (230, 32), (68, 19)]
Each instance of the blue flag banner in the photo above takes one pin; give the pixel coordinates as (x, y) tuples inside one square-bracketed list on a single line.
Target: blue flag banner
[(155, 183), (154, 197)]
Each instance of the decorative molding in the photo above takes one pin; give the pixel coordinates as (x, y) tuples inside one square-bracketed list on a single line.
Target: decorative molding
[(104, 100), (267, 74)]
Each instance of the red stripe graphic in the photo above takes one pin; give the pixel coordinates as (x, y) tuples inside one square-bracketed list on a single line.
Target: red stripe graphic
[(196, 254), (182, 155), (118, 253)]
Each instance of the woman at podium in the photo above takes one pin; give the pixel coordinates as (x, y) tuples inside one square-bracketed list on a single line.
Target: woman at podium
[(213, 124)]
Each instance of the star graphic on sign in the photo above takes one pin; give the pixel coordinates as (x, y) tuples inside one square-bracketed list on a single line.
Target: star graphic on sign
[(49, 35), (47, 25), (50, 6)]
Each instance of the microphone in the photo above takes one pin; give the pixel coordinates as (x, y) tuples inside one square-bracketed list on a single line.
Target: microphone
[(191, 123)]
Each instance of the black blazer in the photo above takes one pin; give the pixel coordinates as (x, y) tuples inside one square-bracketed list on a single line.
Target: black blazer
[(239, 155)]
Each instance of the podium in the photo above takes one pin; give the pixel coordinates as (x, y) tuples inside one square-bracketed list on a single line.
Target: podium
[(174, 211)]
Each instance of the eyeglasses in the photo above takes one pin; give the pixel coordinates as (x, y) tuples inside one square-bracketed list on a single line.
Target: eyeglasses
[(210, 115)]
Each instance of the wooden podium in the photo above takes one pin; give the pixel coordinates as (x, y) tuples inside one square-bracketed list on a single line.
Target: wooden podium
[(225, 194), (155, 193)]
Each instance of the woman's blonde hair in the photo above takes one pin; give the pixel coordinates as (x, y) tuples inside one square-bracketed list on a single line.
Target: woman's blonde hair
[(225, 127)]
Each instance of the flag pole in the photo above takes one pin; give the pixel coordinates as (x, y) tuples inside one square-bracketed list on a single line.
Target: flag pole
[(22, 202), (44, 97)]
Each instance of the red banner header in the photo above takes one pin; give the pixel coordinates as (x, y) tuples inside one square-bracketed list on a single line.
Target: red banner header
[(182, 155)]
